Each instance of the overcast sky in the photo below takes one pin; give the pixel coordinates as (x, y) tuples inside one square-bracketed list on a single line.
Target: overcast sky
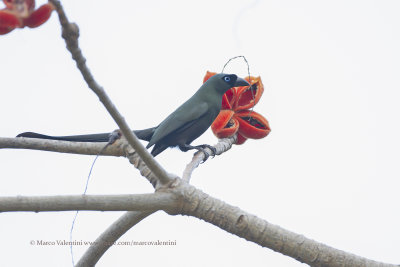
[(329, 169)]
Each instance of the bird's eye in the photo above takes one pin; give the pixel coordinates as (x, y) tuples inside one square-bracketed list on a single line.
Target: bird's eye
[(227, 79)]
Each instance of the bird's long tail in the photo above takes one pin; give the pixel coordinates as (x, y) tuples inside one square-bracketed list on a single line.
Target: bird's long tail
[(145, 134)]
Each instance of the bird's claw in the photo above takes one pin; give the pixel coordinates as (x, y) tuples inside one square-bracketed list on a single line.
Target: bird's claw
[(200, 148), (206, 154), (213, 149)]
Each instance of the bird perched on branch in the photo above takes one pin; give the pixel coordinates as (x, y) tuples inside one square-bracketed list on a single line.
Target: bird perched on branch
[(182, 126)]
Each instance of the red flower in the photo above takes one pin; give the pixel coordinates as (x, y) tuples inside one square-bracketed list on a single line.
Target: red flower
[(21, 13), (235, 116)]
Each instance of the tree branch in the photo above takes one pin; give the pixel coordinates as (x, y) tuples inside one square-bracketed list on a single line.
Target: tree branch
[(109, 236), (62, 146), (245, 225), (222, 146), (70, 32), (138, 202), (120, 148)]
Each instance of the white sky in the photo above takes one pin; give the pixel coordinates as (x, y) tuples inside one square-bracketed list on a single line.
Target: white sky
[(329, 169)]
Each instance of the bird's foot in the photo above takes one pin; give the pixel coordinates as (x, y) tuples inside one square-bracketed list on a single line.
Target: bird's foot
[(213, 149), (200, 148)]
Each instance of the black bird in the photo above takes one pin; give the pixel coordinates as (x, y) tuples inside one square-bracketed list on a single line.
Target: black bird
[(182, 126)]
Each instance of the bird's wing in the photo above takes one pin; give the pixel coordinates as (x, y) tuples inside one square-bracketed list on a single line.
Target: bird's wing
[(186, 113)]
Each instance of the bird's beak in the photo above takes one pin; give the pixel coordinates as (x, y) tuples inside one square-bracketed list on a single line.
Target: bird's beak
[(241, 82)]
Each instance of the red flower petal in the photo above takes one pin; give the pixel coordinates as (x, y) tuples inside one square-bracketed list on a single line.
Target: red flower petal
[(240, 139), (225, 125), (8, 21), (30, 4), (252, 124), (5, 30), (228, 99), (248, 96), (14, 4), (9, 3), (39, 16)]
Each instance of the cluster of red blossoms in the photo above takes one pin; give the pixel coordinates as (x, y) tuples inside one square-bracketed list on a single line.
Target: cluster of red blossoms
[(21, 13), (236, 117)]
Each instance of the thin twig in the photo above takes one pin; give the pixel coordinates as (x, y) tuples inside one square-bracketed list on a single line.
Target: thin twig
[(70, 32), (137, 202), (222, 146), (109, 236)]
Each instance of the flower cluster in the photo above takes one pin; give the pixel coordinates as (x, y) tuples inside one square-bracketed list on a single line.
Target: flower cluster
[(236, 117), (21, 13)]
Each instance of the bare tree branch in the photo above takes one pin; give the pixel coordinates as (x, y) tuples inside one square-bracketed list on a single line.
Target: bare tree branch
[(138, 202), (145, 171), (182, 198), (62, 146), (109, 236), (120, 148), (70, 32), (250, 227), (222, 146)]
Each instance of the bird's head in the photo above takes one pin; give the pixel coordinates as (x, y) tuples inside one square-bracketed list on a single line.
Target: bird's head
[(222, 82)]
